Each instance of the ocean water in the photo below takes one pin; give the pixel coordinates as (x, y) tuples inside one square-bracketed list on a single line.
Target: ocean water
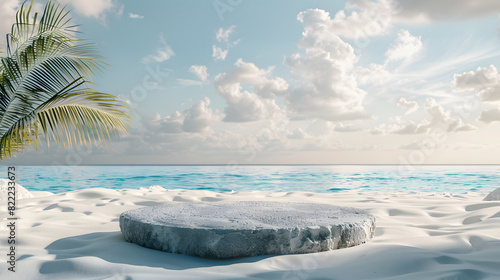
[(312, 178)]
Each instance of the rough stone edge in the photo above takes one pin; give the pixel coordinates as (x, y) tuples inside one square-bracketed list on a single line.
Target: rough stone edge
[(226, 243)]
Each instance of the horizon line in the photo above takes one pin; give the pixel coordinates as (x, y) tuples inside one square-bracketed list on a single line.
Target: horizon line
[(263, 164)]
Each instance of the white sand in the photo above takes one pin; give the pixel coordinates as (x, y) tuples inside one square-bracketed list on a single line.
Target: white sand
[(76, 235)]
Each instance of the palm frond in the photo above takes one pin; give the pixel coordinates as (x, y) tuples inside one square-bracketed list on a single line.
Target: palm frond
[(44, 86), (53, 23)]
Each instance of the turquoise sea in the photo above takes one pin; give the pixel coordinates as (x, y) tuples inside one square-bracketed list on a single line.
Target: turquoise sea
[(221, 178)]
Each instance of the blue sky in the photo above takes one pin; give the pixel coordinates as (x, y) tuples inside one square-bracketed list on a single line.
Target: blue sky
[(250, 82)]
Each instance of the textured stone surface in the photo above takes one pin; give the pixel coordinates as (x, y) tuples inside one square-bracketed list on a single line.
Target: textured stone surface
[(250, 228), (20, 191), (493, 196)]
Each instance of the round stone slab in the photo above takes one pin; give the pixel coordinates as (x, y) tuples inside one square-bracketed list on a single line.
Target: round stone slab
[(246, 228)]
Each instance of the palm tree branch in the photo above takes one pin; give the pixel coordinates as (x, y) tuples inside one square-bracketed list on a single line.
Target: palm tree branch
[(43, 86), (60, 118), (60, 69)]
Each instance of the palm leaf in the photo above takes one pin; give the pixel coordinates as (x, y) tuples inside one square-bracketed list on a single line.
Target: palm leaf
[(45, 84)]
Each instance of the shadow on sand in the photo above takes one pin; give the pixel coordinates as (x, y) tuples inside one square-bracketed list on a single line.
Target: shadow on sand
[(111, 247)]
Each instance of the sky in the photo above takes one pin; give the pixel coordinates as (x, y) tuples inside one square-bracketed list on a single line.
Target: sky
[(293, 82)]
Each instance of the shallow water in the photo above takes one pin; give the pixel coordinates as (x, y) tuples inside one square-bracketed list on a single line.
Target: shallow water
[(325, 178)]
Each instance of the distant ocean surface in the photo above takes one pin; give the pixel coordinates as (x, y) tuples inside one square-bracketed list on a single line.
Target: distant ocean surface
[(311, 178)]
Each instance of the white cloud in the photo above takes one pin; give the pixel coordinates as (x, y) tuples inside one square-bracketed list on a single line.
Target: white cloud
[(197, 119), (367, 18), (405, 47), (440, 116), (490, 116), (135, 16), (481, 78), (244, 105), (490, 94), (437, 118), (326, 88), (168, 124), (218, 53), (426, 11), (248, 107), (163, 52), (409, 106), (486, 81), (199, 71), (375, 74), (200, 117), (223, 34)]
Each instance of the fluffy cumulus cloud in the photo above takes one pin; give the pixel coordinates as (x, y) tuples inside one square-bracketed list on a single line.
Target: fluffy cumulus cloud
[(437, 117), (163, 52), (199, 118), (362, 18), (250, 92), (405, 47), (374, 74), (490, 116), (199, 71), (325, 85), (440, 117), (409, 106), (486, 81)]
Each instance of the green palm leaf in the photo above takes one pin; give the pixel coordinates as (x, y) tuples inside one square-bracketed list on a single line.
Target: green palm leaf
[(45, 81)]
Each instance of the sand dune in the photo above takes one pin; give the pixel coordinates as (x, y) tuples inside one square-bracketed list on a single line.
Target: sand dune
[(76, 235)]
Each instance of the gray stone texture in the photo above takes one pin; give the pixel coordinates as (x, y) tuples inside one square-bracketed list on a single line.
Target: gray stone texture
[(249, 228)]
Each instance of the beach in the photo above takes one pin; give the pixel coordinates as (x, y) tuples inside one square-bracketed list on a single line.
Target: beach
[(292, 140), (76, 235)]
